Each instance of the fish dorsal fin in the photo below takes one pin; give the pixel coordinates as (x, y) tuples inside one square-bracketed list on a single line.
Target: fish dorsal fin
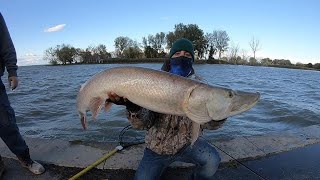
[(95, 106)]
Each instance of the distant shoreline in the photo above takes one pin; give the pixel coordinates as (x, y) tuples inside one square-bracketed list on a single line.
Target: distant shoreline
[(161, 60)]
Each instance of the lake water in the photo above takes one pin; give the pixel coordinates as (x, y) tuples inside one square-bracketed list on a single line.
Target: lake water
[(45, 101)]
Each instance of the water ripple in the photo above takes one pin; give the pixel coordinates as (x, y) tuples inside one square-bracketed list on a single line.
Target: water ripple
[(46, 97)]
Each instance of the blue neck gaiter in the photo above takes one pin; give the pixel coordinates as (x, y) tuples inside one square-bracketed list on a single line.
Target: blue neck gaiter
[(181, 66)]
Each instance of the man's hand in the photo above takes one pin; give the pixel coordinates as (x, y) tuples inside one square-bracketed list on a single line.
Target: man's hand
[(13, 82), (114, 98), (213, 125)]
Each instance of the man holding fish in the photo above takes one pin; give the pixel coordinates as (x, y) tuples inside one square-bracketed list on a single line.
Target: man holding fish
[(169, 136), (171, 105)]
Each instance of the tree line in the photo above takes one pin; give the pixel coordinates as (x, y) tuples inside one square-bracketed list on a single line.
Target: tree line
[(206, 45)]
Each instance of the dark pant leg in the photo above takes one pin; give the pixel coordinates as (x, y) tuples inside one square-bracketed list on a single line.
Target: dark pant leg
[(9, 131), (204, 156), (152, 165)]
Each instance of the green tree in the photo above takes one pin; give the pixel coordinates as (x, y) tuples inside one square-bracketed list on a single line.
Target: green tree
[(170, 38), (299, 64), (149, 52), (122, 43), (132, 52), (61, 53), (234, 54), (154, 45), (282, 62), (241, 61), (309, 65), (191, 32), (51, 56), (158, 41), (212, 49), (224, 59), (86, 55), (255, 46), (196, 35), (316, 66), (219, 40), (266, 61), (253, 61), (66, 53), (101, 52)]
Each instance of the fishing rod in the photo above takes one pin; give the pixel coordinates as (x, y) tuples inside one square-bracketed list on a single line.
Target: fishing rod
[(120, 147), (240, 163), (99, 161)]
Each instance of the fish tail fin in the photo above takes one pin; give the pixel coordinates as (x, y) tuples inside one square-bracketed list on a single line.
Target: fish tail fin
[(83, 120), (195, 132), (95, 106)]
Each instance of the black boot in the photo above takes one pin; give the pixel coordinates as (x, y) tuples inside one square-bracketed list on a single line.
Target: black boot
[(27, 162), (1, 167)]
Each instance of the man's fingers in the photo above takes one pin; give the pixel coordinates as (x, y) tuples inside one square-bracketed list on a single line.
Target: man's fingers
[(115, 96), (118, 100), (13, 82)]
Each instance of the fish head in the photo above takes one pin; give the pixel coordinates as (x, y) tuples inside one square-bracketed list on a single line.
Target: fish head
[(82, 109), (89, 99), (83, 100), (223, 103)]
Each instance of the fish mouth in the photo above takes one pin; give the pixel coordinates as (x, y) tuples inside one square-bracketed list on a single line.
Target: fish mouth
[(244, 101)]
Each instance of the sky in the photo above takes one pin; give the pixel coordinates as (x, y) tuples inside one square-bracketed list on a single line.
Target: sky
[(286, 29)]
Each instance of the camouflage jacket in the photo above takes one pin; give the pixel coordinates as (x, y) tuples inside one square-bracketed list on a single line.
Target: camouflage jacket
[(167, 134)]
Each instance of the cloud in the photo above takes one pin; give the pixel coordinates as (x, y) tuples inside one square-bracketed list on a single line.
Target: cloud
[(165, 18), (31, 59), (55, 28), (30, 55)]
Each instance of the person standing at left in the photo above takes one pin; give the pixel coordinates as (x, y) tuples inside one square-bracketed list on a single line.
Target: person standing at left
[(9, 131)]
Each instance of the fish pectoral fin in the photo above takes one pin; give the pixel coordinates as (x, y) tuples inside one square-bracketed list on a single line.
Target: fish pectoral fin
[(195, 132), (191, 109), (107, 106), (95, 106)]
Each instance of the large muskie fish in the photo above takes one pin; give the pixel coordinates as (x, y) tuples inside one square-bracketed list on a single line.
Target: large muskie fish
[(163, 92)]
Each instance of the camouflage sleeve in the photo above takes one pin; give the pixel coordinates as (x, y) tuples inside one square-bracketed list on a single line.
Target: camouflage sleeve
[(141, 118), (213, 125)]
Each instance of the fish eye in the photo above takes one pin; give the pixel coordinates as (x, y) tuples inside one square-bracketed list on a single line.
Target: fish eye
[(230, 94)]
